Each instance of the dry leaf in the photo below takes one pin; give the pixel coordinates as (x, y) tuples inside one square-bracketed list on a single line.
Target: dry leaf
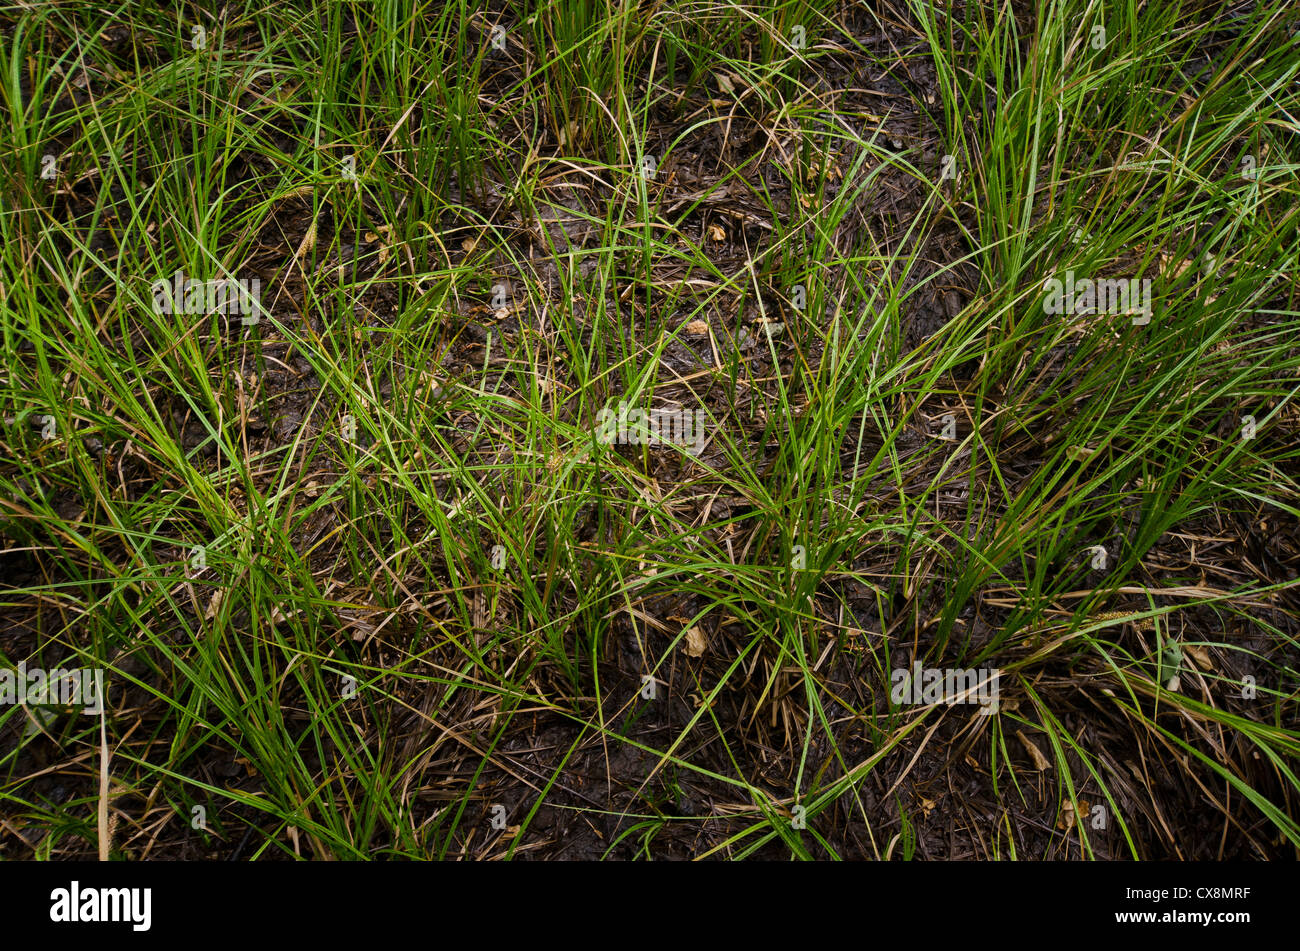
[(695, 642), (1040, 761), (725, 84)]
